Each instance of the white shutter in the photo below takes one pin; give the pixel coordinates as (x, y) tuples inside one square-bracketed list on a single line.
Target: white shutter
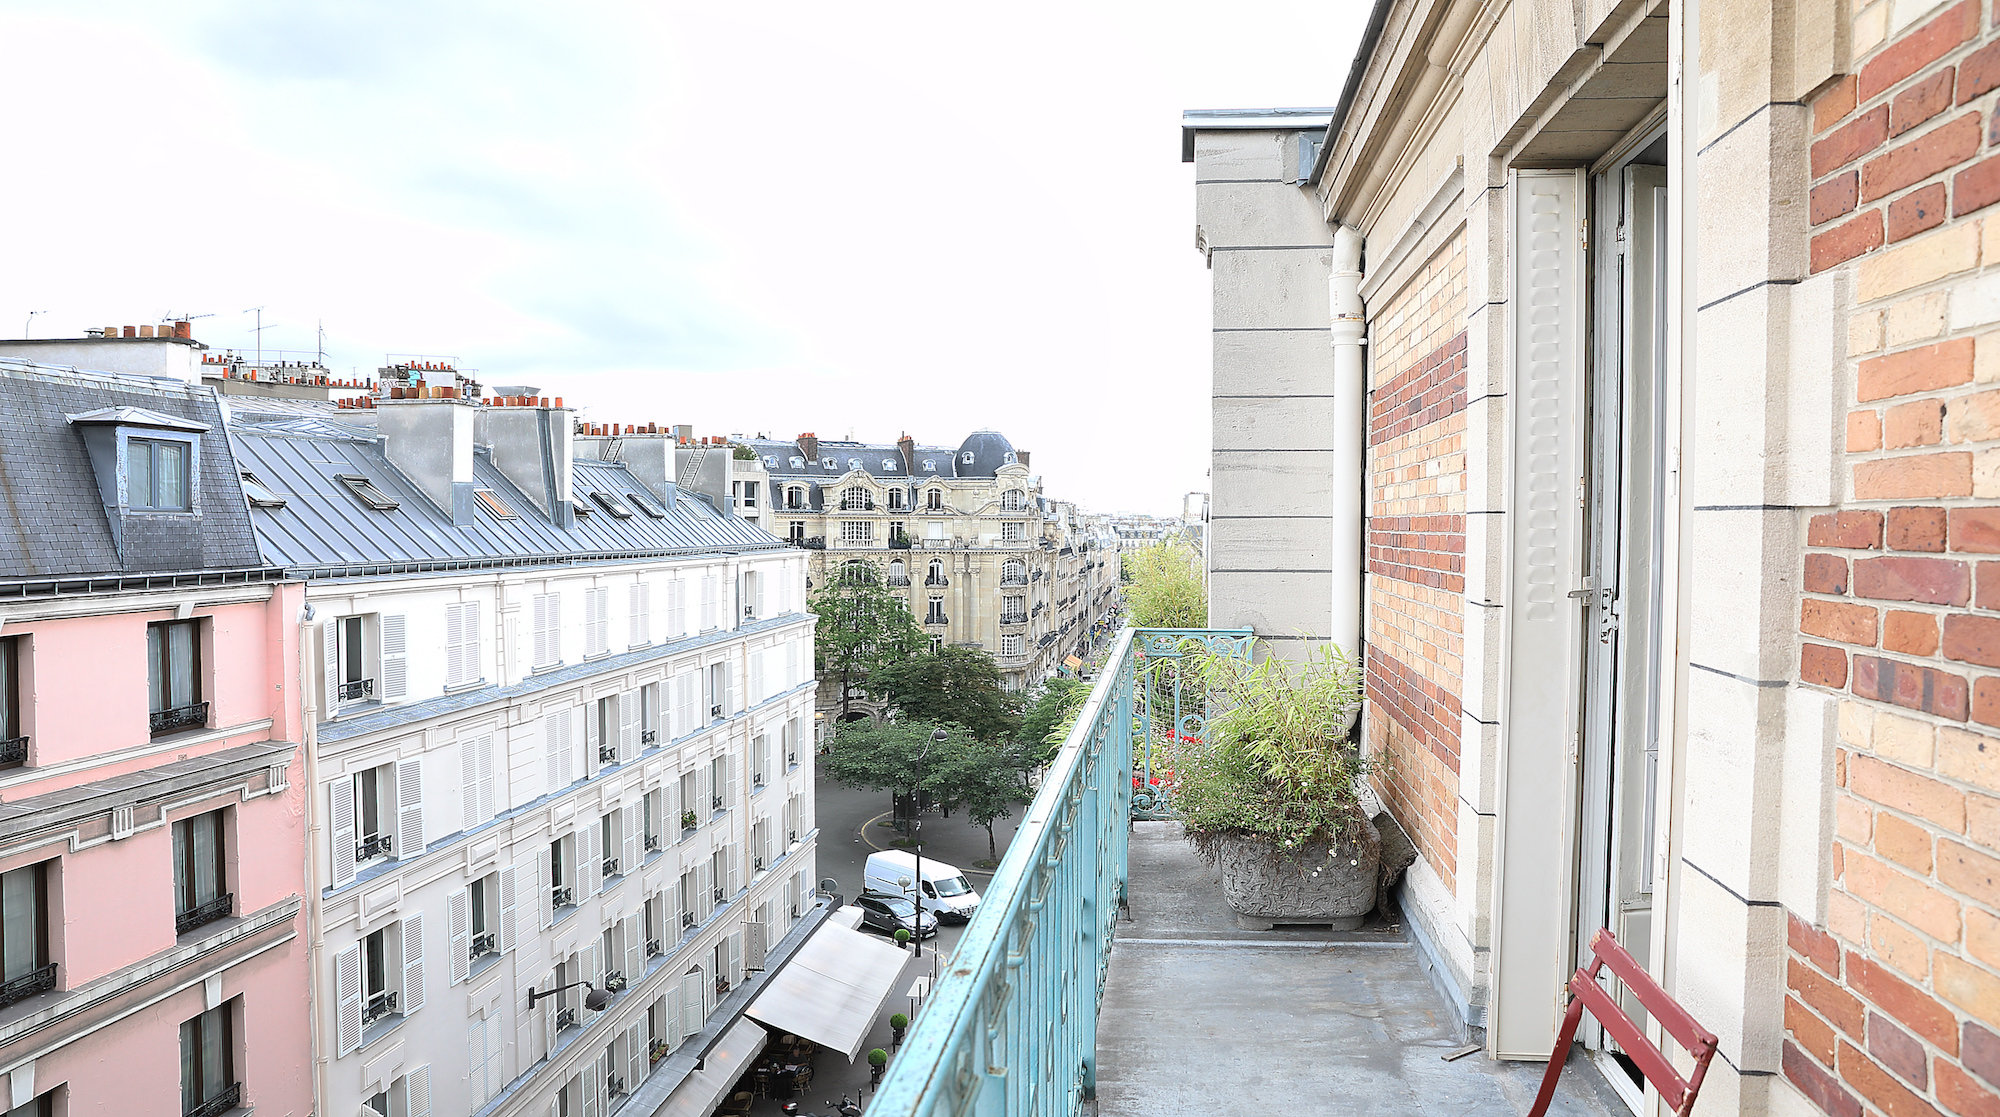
[(693, 1010), (597, 961), (734, 859), (346, 1000), (454, 645), (552, 733), (592, 1083), (635, 1055), (417, 1092), (628, 726), (730, 703), (510, 897), (458, 906), (732, 954), (1534, 828), (329, 662), (754, 936), (735, 793), (757, 676), (757, 597), (409, 808), (553, 637), (634, 835), (540, 651), (549, 1029), (635, 948), (704, 883), (468, 781), (413, 963), (468, 655), (395, 662), (589, 861), (540, 885), (593, 738), (484, 747), (340, 810)]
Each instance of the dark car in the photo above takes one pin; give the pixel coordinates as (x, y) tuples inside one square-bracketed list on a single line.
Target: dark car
[(885, 914)]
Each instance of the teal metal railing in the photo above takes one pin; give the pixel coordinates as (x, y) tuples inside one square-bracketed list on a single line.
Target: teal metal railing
[(1010, 1029)]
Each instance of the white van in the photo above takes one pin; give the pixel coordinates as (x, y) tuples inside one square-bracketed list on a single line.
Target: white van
[(945, 891)]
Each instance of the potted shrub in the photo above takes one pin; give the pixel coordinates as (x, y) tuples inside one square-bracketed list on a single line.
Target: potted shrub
[(897, 1025), (903, 937), (688, 820), (877, 1059), (1272, 800)]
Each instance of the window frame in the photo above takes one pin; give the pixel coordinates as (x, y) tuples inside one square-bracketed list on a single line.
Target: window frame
[(150, 446), (212, 1031), (192, 908), (158, 670), (13, 719)]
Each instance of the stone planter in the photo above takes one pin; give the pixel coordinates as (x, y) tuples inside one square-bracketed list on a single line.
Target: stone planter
[(1316, 883)]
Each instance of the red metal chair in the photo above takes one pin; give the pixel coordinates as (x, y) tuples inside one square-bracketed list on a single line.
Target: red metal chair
[(1679, 1093)]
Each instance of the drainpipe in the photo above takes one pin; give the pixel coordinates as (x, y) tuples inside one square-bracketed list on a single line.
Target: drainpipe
[(1349, 331), (315, 941)]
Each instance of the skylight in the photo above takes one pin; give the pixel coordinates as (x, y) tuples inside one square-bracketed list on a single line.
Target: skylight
[(610, 503), (647, 505), (367, 493), (260, 495), (491, 500)]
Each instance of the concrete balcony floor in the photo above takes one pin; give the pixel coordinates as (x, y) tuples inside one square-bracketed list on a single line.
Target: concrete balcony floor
[(1202, 1018)]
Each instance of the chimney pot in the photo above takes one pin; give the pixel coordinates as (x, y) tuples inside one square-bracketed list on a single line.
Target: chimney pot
[(183, 328), (131, 331), (558, 402)]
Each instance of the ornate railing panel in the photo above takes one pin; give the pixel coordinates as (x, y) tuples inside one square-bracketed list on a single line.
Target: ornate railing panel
[(1010, 1029), (1171, 711)]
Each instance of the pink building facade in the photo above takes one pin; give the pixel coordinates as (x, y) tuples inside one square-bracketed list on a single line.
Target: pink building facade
[(152, 835)]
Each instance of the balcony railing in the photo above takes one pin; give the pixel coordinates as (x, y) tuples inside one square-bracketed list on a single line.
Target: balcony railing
[(373, 845), (378, 1005), (560, 896), (565, 1018), (611, 866), (222, 1101), (937, 618), (191, 716), (655, 948), (209, 912), (357, 690), (31, 984), (652, 843), (607, 754), (937, 581), (1013, 618), (648, 736), (13, 750), (898, 579), (1011, 1027)]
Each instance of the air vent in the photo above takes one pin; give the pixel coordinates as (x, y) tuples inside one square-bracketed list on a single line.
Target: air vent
[(610, 503), (365, 490)]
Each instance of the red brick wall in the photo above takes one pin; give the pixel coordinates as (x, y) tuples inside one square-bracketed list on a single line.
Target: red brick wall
[(1893, 1005), (1416, 551)]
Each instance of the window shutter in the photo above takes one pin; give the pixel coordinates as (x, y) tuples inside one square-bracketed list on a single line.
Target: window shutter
[(409, 808), (484, 746), (628, 726), (729, 699), (733, 953), (635, 1055), (754, 935), (635, 614), (676, 1021), (468, 771), (347, 1000), (589, 862), (540, 641), (692, 991), (413, 963), (593, 737), (329, 661), (704, 902), (549, 1029), (417, 1091), (395, 662), (555, 736), (555, 629), (510, 896), (735, 862), (454, 645), (459, 908), (597, 961), (468, 657), (635, 949), (1531, 921), (735, 793), (634, 835), (340, 809), (757, 677), (592, 1083)]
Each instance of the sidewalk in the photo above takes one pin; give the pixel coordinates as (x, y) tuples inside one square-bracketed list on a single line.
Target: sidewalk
[(1202, 1018)]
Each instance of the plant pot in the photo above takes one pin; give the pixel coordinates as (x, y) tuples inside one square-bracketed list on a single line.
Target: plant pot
[(1318, 883)]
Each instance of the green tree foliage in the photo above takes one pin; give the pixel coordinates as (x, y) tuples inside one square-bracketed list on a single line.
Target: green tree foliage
[(1164, 586), (1047, 718), (880, 757), (952, 686), (863, 629), (987, 781)]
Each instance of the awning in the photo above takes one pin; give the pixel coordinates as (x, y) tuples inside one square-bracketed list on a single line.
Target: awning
[(833, 989), (698, 1093)]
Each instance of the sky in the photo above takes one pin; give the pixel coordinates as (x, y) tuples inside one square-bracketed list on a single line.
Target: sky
[(849, 219)]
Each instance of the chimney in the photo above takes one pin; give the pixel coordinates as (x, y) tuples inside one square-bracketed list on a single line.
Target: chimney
[(431, 442), (1021, 456), (908, 446), (704, 472), (809, 446), (184, 328), (647, 454), (534, 446)]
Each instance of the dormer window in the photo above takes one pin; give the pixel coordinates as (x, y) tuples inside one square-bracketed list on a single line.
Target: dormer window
[(1008, 458), (889, 464), (854, 463), (829, 463), (491, 501), (930, 465), (156, 474), (966, 457), (365, 491), (798, 463), (771, 460)]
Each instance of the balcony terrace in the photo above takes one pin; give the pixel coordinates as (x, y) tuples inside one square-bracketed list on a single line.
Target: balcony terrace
[(1103, 973)]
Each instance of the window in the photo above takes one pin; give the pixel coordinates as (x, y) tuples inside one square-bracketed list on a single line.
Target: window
[(898, 500), (933, 500), (798, 462), (650, 806), (481, 927), (720, 794), (378, 998), (1010, 645), (937, 644), (856, 499), (857, 572), (966, 457), (366, 492), (374, 811), (857, 531), (795, 497), (1013, 572), (156, 475), (173, 676), (1013, 531), (610, 503), (561, 893), (718, 685), (854, 463), (829, 463), (930, 465), (690, 796), (647, 505), (795, 533), (749, 494), (259, 494), (611, 842), (13, 731), (1013, 500), (208, 1073), (936, 614), (935, 576), (898, 574), (25, 969), (1014, 609), (490, 500), (760, 761), (199, 877)]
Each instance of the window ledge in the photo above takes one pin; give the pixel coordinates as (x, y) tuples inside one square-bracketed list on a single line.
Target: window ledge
[(545, 668), (481, 964), (462, 688), (563, 913), (592, 657), (374, 1032)]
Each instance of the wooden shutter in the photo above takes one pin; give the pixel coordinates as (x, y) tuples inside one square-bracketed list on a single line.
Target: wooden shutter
[(340, 812), (413, 963), (732, 953), (468, 772), (757, 595), (633, 831), (589, 861), (459, 907), (347, 1000), (510, 897), (417, 1092), (635, 1055), (597, 960), (329, 661), (635, 614), (704, 888), (757, 659), (734, 795), (554, 629), (484, 747), (628, 726), (1535, 825), (734, 859), (694, 993), (395, 661), (754, 946), (549, 1008), (409, 808), (634, 933), (454, 645), (468, 657), (591, 1084)]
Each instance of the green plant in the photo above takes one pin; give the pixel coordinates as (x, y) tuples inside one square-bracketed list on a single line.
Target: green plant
[(1165, 586), (743, 453), (899, 1021), (1278, 763), (877, 1057), (688, 820), (902, 935)]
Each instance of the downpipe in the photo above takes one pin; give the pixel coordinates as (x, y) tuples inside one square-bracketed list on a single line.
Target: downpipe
[(1349, 333)]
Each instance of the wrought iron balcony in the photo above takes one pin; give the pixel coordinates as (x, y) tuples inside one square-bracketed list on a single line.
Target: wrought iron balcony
[(898, 579), (715, 802), (31, 984), (614, 981), (652, 843), (565, 1018), (483, 944), (179, 718), (756, 864), (560, 896), (215, 909), (648, 736), (373, 845), (222, 1101), (687, 920), (1013, 618), (13, 751), (614, 1086), (1015, 580), (811, 543), (655, 948), (937, 618), (607, 754), (716, 895), (937, 581), (611, 866), (377, 1006), (357, 690)]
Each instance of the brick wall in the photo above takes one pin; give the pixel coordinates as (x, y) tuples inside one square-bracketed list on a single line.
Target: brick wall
[(1416, 550), (1893, 1005)]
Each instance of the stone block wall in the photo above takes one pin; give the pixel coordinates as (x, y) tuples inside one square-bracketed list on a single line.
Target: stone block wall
[(1416, 550), (1893, 1003)]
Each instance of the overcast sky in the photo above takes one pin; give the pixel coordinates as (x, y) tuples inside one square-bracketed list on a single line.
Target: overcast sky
[(770, 217)]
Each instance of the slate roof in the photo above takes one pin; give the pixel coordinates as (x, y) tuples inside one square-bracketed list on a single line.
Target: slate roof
[(884, 461), (52, 516), (323, 530)]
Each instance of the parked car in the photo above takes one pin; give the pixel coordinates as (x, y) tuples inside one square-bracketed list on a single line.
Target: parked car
[(946, 892), (885, 914)]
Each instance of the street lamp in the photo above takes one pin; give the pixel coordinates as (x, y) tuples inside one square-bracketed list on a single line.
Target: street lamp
[(595, 1000), (938, 737)]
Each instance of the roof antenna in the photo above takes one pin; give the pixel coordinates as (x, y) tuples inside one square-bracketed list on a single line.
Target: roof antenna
[(259, 312), (320, 360), (31, 323)]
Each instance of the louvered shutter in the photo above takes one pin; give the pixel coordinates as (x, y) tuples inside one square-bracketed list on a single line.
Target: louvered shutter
[(409, 808), (735, 942), (454, 645), (628, 726), (634, 835), (734, 859), (469, 662), (347, 1000), (754, 935), (552, 733), (593, 738), (734, 795), (484, 747), (459, 908), (757, 595), (757, 677), (704, 883), (635, 614), (635, 948), (589, 862), (597, 961), (540, 605), (730, 703), (554, 629), (417, 1092), (329, 661), (413, 963), (510, 897), (537, 878), (340, 813), (693, 1007), (635, 1056), (1531, 918), (468, 770), (549, 1009), (395, 661)]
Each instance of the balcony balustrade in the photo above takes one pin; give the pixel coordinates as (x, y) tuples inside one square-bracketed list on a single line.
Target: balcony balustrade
[(483, 944), (13, 751), (607, 754), (31, 984), (191, 716), (357, 690), (1011, 1027), (215, 909), (373, 845), (222, 1101), (378, 1005), (1013, 618)]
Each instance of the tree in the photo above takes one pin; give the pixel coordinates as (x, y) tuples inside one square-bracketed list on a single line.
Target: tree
[(952, 686), (904, 759), (880, 757), (1164, 586), (987, 780), (862, 628), (1049, 709)]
